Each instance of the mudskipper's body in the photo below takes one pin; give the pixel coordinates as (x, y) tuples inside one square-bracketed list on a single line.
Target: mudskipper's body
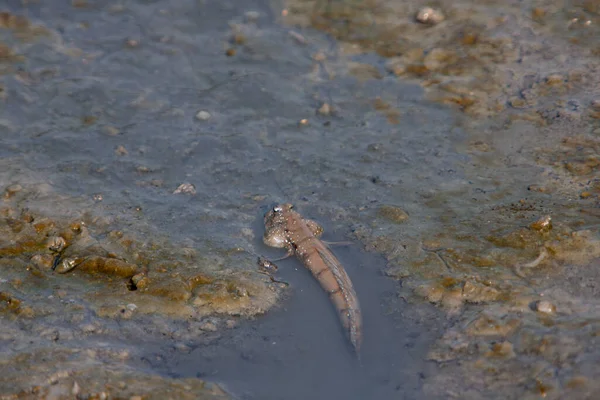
[(285, 228)]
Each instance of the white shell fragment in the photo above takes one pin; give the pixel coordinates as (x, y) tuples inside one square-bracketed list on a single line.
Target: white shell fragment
[(203, 115), (544, 306), (429, 16), (185, 188)]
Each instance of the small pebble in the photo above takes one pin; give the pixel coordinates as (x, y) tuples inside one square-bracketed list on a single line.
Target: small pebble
[(185, 188), (56, 244), (12, 190), (67, 265), (111, 130), (319, 56), (121, 151), (545, 307), (208, 326), (230, 323), (555, 79), (88, 328), (203, 115), (182, 347), (75, 390), (429, 16), (393, 213), (542, 224), (325, 109), (132, 43), (42, 261)]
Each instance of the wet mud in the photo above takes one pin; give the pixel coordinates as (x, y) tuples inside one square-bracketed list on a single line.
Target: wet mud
[(455, 144)]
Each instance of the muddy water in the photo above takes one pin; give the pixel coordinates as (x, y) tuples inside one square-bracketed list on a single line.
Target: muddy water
[(141, 144), (299, 350)]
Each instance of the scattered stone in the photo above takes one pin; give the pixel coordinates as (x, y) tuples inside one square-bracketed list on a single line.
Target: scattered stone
[(132, 43), (121, 151), (111, 130), (185, 188), (545, 307), (319, 56), (477, 293), (208, 326), (42, 261), (182, 347), (142, 169), (12, 190), (325, 109), (56, 244), (554, 79), (75, 389), (503, 349), (429, 16), (393, 214), (88, 328), (538, 188), (203, 115), (230, 323), (66, 265), (542, 224)]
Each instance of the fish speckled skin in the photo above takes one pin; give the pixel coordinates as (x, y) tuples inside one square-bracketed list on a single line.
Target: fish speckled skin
[(285, 228)]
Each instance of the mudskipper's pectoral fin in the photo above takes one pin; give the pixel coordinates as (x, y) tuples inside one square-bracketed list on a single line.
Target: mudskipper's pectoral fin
[(314, 227)]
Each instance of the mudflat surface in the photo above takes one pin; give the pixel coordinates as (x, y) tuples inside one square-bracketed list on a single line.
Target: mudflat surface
[(142, 142)]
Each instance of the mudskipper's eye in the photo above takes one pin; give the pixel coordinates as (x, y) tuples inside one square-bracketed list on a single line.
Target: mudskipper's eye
[(277, 209)]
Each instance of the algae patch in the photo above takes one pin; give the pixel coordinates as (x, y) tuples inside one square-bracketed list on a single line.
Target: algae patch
[(82, 251)]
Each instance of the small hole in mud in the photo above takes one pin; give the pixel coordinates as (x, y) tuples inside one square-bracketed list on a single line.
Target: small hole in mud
[(131, 285)]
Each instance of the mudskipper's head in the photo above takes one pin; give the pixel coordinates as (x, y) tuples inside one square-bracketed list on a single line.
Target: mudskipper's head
[(275, 226)]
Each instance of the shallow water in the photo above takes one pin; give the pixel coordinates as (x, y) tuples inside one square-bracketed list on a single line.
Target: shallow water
[(300, 350)]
